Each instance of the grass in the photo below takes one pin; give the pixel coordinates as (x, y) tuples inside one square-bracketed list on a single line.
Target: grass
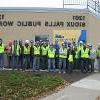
[(17, 85)]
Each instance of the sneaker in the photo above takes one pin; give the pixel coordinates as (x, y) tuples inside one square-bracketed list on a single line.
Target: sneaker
[(59, 72), (64, 72)]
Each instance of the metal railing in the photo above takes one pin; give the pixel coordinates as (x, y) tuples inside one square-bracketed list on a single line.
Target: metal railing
[(92, 5)]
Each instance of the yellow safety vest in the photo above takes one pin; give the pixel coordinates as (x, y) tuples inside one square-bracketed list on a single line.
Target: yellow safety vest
[(2, 49), (63, 53), (36, 50), (51, 53), (70, 58), (80, 47), (44, 50), (77, 54), (26, 50), (98, 53), (16, 50), (84, 54)]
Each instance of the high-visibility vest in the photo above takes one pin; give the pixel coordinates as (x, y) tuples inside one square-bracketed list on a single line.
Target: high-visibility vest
[(98, 53), (15, 50), (36, 50), (85, 54), (44, 50), (26, 50), (2, 48), (76, 54), (80, 47), (51, 53), (63, 53), (70, 58)]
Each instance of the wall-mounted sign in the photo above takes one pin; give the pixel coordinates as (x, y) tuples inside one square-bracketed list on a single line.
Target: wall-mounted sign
[(76, 21)]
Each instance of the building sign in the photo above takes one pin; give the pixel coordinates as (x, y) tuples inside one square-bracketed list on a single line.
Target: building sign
[(76, 21)]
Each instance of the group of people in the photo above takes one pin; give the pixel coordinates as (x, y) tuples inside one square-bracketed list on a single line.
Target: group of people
[(50, 56)]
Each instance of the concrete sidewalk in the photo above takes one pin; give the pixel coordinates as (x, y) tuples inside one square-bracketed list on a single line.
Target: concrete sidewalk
[(85, 89)]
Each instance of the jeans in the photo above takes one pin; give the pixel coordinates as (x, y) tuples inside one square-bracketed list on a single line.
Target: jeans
[(44, 62), (98, 61), (51, 64), (1, 61), (36, 63), (26, 62), (91, 62), (84, 65), (20, 61), (62, 64), (15, 61)]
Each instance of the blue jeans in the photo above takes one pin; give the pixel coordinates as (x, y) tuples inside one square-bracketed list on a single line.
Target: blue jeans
[(36, 63), (15, 61), (26, 61), (1, 61), (62, 64), (51, 64)]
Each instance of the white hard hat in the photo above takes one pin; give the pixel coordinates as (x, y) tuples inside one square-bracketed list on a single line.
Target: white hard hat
[(81, 42), (27, 41)]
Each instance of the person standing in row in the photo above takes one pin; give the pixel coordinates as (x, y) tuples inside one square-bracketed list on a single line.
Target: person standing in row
[(92, 58), (2, 49), (98, 56), (36, 61), (85, 53), (31, 53), (44, 55), (51, 58), (62, 58), (26, 61), (15, 54), (70, 56), (21, 54)]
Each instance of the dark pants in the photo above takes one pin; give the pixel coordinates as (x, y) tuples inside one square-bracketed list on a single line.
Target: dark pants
[(31, 61), (15, 61), (91, 63), (70, 67), (76, 64), (21, 61), (44, 63), (1, 61), (26, 61), (36, 63), (9, 61), (57, 62), (84, 65)]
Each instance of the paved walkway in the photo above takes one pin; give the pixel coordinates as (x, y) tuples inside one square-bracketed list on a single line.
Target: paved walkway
[(86, 89)]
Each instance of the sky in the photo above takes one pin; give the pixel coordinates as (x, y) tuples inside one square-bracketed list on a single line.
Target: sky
[(31, 3)]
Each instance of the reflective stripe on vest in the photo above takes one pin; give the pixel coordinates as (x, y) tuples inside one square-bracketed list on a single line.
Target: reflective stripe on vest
[(51, 53), (84, 54), (70, 59), (36, 50), (15, 50), (63, 53), (2, 48), (26, 50)]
